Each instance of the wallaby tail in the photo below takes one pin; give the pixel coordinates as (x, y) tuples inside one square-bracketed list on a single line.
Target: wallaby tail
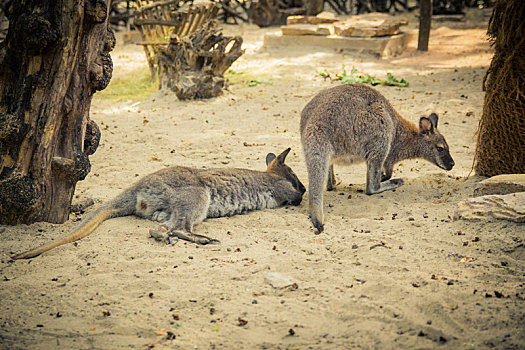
[(121, 206)]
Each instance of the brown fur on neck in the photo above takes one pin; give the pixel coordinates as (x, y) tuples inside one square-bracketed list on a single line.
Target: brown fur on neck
[(407, 135)]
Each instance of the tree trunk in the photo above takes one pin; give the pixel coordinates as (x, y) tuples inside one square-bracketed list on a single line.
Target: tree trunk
[(314, 7), (55, 56), (425, 20), (500, 146), (265, 13)]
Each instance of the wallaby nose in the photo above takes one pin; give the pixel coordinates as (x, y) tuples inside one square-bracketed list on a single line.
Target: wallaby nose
[(302, 189), (297, 201)]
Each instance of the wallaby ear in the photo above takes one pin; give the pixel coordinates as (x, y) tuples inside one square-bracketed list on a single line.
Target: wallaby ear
[(425, 126), (281, 157), (434, 119), (269, 158)]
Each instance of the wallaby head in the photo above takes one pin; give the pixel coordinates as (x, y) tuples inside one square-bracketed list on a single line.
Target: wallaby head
[(275, 164), (434, 148)]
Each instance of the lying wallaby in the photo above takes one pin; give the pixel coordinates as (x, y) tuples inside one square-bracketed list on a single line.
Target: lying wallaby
[(181, 197), (351, 123)]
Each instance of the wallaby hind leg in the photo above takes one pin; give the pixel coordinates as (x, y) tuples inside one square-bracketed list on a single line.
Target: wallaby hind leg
[(330, 185), (170, 235), (193, 237), (373, 178), (188, 207), (317, 165)]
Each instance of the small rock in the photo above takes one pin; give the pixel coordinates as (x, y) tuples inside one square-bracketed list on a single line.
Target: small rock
[(278, 280), (498, 294), (170, 335)]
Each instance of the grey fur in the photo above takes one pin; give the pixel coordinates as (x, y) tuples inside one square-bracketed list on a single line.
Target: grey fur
[(181, 197), (353, 123)]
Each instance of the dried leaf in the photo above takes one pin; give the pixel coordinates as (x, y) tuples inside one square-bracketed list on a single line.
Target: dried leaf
[(156, 158)]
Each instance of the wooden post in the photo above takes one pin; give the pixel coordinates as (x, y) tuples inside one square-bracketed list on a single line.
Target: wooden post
[(54, 58), (425, 19)]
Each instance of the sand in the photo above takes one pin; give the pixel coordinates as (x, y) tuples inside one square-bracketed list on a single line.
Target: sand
[(392, 270)]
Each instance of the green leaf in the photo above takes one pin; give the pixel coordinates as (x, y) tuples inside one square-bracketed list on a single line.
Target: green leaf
[(256, 82), (232, 72), (355, 78), (323, 74)]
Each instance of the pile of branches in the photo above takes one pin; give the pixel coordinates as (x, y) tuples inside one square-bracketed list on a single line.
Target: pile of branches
[(193, 66)]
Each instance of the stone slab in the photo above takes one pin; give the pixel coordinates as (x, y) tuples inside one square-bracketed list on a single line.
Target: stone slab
[(361, 26), (383, 47), (510, 207), (306, 29), (323, 17), (501, 184)]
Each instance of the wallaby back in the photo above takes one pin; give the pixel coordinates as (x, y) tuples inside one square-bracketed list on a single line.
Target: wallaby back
[(354, 122)]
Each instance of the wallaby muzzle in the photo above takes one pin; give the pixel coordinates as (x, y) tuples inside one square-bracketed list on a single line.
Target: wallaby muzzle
[(448, 162)]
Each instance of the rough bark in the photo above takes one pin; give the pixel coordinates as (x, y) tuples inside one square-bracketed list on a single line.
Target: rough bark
[(425, 20), (55, 56), (500, 146), (313, 7)]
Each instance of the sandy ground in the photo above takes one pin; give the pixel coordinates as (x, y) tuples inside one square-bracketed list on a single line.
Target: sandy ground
[(391, 271)]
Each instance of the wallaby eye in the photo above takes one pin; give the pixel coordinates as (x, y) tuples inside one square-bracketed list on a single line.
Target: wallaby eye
[(439, 149)]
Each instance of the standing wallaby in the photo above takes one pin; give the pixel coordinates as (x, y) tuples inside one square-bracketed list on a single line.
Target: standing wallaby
[(181, 197), (351, 123)]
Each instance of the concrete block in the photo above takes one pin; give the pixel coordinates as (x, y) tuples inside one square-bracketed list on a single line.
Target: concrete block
[(306, 29), (501, 184), (383, 47)]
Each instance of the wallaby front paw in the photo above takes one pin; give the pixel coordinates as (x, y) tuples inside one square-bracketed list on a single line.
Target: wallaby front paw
[(397, 182), (384, 186)]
